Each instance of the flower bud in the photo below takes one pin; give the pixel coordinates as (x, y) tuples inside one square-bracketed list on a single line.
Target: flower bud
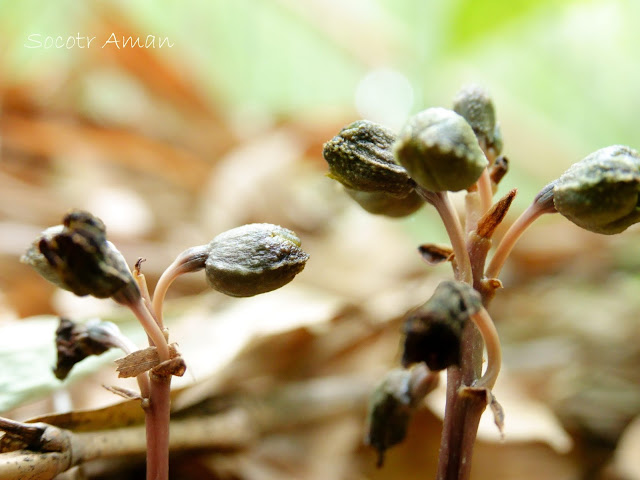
[(381, 203), (475, 105), (253, 259), (76, 256), (495, 142), (600, 193), (440, 151), (361, 158), (392, 404), (434, 330)]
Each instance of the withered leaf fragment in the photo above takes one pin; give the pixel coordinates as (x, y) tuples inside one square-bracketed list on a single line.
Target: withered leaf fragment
[(492, 219), (435, 254), (142, 360), (433, 331), (75, 342), (499, 169)]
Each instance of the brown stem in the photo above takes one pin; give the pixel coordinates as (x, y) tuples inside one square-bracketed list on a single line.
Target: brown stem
[(157, 428), (465, 406), (158, 409), (462, 411)]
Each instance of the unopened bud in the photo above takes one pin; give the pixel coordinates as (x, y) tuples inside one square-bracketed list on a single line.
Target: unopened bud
[(76, 256), (600, 193), (381, 203), (474, 104), (392, 404), (434, 330), (440, 151), (361, 158), (253, 259)]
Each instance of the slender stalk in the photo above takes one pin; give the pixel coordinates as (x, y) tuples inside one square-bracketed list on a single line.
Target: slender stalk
[(190, 260), (159, 406), (511, 237), (442, 204), (144, 290), (152, 328), (157, 428), (150, 314), (485, 190), (462, 411), (472, 207), (456, 426), (489, 334)]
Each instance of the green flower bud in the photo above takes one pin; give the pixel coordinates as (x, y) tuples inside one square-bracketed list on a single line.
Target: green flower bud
[(600, 193), (361, 158), (434, 330), (495, 141), (253, 259), (440, 151), (76, 256), (475, 105), (381, 203)]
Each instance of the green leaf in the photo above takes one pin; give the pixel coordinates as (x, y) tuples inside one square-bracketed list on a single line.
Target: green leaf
[(471, 20)]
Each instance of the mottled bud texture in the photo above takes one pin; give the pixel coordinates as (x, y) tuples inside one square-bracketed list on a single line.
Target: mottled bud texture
[(600, 193), (361, 158), (434, 330), (253, 259), (475, 105), (440, 151), (76, 256), (381, 203)]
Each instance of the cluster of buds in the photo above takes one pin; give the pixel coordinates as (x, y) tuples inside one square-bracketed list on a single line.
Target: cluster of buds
[(442, 150), (77, 256)]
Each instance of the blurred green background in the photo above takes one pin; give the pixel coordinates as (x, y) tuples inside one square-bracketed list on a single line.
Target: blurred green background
[(563, 74)]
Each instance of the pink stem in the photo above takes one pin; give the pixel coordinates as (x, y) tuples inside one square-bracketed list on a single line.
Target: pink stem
[(511, 237), (190, 260), (157, 428), (485, 190), (442, 204)]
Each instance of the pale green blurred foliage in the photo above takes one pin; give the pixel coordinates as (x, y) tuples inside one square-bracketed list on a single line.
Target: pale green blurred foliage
[(561, 72)]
